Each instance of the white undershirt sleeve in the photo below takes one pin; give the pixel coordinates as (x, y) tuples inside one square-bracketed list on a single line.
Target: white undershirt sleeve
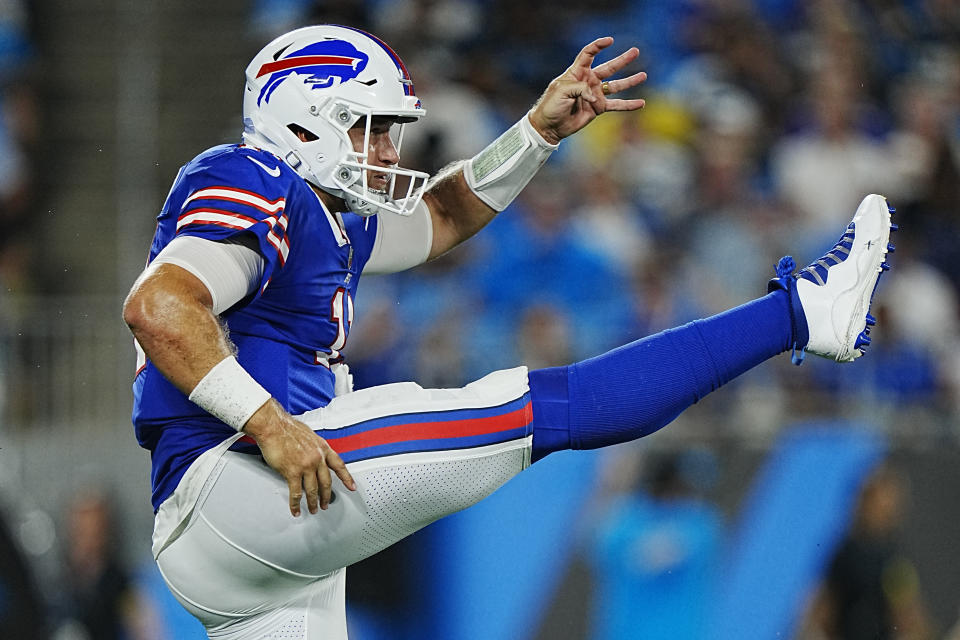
[(402, 241), (231, 270)]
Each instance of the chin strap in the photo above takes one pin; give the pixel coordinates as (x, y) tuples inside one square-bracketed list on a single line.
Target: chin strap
[(368, 205)]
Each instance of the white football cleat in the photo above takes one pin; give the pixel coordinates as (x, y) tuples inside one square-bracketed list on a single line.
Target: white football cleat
[(835, 291)]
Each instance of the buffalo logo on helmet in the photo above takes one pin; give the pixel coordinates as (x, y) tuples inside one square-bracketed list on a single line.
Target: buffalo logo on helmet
[(326, 63)]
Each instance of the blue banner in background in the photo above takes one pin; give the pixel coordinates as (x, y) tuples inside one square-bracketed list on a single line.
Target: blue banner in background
[(498, 564), (495, 568), (795, 515)]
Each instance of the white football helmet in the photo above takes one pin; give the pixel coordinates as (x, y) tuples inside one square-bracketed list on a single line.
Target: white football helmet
[(323, 80)]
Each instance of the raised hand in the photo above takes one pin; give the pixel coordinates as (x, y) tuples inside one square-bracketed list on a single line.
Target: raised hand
[(581, 93)]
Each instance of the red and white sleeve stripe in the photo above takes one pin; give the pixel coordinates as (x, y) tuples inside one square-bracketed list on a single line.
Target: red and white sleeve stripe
[(240, 196), (277, 237)]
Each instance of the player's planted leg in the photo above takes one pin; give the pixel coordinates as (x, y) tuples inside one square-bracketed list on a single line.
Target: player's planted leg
[(638, 388)]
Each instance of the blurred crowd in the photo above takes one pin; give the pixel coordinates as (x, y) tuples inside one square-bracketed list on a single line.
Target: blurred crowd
[(18, 138), (766, 123)]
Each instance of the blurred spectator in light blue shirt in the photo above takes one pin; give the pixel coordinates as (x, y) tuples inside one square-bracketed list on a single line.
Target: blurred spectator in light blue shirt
[(655, 555)]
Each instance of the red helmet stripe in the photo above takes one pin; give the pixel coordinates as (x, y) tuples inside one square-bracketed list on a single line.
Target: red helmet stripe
[(305, 61)]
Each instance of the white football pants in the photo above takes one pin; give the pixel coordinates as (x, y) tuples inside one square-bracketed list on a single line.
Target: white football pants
[(233, 555)]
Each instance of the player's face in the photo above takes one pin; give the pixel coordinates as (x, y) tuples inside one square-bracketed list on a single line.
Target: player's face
[(381, 152)]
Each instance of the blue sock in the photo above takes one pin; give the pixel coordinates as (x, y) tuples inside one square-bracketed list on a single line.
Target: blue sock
[(640, 387)]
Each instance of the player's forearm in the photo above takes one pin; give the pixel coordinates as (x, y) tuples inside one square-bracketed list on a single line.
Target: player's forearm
[(170, 312), (457, 213), (172, 320), (466, 195), (184, 355)]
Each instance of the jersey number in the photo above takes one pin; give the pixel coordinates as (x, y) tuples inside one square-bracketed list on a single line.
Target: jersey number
[(341, 313)]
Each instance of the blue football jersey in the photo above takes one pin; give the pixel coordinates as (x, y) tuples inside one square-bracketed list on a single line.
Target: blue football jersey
[(287, 332)]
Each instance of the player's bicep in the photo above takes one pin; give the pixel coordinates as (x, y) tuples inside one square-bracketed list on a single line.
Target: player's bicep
[(402, 242), (230, 270)]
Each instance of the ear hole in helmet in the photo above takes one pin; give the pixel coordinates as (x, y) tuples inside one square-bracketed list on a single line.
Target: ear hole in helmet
[(304, 134)]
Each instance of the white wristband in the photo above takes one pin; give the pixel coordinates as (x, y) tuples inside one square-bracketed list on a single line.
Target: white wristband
[(229, 393), (499, 172)]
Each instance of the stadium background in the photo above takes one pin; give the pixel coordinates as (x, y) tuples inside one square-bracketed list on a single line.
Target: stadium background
[(767, 120)]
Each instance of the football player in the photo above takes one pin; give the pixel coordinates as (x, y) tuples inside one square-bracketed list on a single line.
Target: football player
[(243, 312)]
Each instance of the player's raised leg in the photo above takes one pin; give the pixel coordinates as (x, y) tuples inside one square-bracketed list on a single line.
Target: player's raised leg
[(420, 454), (636, 389)]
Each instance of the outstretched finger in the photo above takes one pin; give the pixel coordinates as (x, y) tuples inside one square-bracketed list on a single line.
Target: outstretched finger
[(335, 463), (615, 86), (625, 105), (610, 67), (584, 59)]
